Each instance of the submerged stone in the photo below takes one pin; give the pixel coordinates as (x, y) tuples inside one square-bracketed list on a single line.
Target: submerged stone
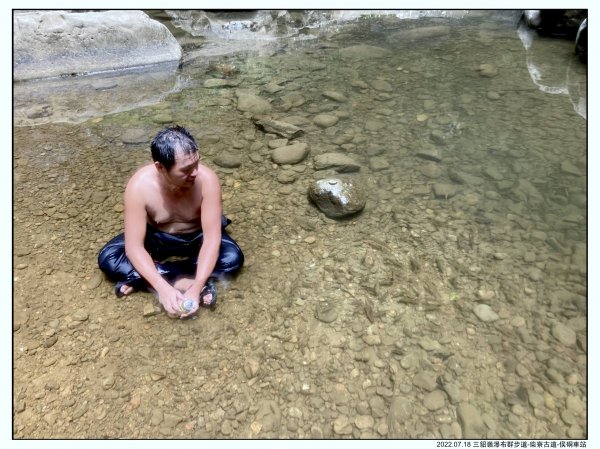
[(364, 51), (287, 129), (290, 154), (339, 162), (338, 197)]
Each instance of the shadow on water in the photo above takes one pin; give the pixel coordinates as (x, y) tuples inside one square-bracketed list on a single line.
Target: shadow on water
[(453, 306)]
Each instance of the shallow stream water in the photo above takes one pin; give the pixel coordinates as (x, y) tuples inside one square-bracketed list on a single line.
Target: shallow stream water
[(454, 305)]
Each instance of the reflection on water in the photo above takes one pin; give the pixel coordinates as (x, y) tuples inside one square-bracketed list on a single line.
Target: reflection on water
[(84, 98), (555, 72), (453, 306)]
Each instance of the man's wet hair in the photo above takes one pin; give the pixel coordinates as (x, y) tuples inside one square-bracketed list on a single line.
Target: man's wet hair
[(168, 142)]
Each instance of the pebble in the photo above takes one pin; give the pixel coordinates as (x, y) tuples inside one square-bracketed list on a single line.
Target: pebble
[(156, 416), (150, 310), (228, 160), (170, 420), (251, 367), (364, 422), (453, 392), (431, 170), (568, 417), (316, 432), (564, 334), (549, 401), (49, 342), (80, 410), (226, 427), (573, 379), (80, 315), (485, 313), (517, 321), (569, 168), (444, 191), (381, 85), (429, 153), (158, 374), (325, 120), (94, 281), (486, 295), (429, 344), (335, 96), (378, 163), (575, 404), (325, 312), (136, 135), (434, 400), (488, 70), (108, 382), (276, 143), (342, 425), (518, 410), (425, 380), (522, 370), (471, 422), (290, 154), (271, 88)]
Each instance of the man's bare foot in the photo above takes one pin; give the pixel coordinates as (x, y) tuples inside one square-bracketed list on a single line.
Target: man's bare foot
[(126, 289), (208, 295), (207, 299)]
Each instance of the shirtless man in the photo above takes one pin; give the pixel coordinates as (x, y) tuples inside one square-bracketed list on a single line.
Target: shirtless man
[(174, 239)]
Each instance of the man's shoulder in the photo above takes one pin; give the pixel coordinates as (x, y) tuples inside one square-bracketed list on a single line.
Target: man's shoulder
[(144, 172), (143, 177), (207, 174)]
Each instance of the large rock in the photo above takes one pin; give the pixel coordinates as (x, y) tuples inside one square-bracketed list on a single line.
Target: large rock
[(61, 43), (338, 197)]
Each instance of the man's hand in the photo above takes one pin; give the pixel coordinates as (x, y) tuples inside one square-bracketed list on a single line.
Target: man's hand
[(194, 309), (171, 299), (192, 293)]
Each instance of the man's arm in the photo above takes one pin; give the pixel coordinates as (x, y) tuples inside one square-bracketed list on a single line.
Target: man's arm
[(135, 232), (210, 217)]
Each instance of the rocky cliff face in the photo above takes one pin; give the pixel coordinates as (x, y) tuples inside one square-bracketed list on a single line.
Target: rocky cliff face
[(61, 43)]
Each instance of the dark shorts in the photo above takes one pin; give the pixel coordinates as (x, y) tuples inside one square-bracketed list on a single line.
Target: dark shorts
[(174, 255)]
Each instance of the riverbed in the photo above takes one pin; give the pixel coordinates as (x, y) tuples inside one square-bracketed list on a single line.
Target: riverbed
[(453, 306)]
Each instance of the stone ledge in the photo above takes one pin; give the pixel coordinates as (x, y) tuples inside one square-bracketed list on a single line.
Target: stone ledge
[(61, 43)]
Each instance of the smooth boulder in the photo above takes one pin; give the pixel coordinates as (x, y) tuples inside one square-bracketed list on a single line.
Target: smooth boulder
[(338, 197), (62, 43)]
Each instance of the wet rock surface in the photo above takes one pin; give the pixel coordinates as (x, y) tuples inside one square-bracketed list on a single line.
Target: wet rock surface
[(62, 43), (338, 197), (363, 327)]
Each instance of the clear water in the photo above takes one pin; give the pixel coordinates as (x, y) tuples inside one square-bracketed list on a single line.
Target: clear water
[(506, 228)]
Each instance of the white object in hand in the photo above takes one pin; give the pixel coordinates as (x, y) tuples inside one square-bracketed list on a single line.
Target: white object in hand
[(188, 305)]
